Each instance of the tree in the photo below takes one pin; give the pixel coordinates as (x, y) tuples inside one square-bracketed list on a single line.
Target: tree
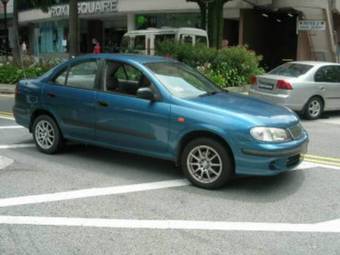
[(73, 28), (215, 22)]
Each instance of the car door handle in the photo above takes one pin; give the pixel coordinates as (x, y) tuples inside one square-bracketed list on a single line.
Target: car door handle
[(103, 104), (49, 94)]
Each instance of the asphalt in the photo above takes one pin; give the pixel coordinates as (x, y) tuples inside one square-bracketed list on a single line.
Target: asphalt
[(309, 195)]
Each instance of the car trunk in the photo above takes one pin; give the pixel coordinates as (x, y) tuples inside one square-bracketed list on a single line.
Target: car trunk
[(268, 83)]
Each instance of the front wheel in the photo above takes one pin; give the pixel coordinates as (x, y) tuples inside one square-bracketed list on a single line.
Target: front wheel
[(207, 163), (46, 135), (313, 108)]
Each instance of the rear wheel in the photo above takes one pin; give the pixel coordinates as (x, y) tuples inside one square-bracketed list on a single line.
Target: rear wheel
[(314, 108), (46, 135), (207, 163)]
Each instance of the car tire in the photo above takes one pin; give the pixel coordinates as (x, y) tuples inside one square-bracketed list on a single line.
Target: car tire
[(207, 163), (313, 108), (46, 135)]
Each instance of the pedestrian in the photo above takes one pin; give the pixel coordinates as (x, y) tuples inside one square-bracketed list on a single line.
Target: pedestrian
[(24, 48), (96, 49)]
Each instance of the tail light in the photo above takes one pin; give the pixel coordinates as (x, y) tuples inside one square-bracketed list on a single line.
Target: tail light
[(253, 80), (17, 90), (282, 84)]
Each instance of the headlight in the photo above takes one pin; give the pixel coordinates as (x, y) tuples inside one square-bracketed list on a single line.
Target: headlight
[(266, 134)]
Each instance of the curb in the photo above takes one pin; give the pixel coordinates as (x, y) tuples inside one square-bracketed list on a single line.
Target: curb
[(7, 89)]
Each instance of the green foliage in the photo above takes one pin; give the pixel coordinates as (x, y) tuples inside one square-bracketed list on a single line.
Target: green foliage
[(228, 67), (10, 74)]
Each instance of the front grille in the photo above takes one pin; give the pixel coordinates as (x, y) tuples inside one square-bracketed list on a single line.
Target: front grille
[(296, 131), (294, 160)]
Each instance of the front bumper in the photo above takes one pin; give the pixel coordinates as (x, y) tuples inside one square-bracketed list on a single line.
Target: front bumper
[(268, 161)]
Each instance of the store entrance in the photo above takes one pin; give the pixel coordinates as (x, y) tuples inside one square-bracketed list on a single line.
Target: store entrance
[(271, 34)]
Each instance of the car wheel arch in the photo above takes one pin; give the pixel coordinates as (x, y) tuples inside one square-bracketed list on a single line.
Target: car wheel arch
[(313, 96), (188, 137), (38, 112)]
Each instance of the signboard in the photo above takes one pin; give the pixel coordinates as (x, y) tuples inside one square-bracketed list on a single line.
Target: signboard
[(9, 7), (86, 8), (311, 25)]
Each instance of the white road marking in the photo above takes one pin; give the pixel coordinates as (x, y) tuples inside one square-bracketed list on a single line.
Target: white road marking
[(5, 162), (11, 127), (334, 121), (16, 146), (323, 227), (94, 192), (6, 117)]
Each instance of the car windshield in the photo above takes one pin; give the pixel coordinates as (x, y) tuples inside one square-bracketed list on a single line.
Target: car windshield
[(291, 69), (181, 80)]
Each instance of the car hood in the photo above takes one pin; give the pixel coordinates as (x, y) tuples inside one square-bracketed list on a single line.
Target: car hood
[(253, 110)]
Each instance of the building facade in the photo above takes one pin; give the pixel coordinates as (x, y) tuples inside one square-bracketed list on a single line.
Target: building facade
[(280, 30)]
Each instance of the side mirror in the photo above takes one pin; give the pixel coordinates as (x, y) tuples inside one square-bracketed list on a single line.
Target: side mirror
[(145, 93)]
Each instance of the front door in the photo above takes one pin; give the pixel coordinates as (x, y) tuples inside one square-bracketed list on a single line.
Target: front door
[(70, 96), (128, 122), (328, 80)]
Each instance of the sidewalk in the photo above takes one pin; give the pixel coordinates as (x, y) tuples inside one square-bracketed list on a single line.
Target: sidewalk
[(7, 89)]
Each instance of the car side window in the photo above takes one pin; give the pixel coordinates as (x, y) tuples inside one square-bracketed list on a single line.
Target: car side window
[(124, 79), (83, 75), (328, 74), (60, 79)]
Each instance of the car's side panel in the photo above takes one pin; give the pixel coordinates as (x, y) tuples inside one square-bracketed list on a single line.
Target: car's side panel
[(27, 99), (132, 123), (73, 108)]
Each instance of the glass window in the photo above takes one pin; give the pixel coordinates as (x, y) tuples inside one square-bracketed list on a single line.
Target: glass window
[(181, 80), (61, 78), (328, 74), (186, 39), (201, 40), (124, 79), (83, 75), (140, 42), (291, 70), (164, 37)]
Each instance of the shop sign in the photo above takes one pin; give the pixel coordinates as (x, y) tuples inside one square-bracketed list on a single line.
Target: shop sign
[(311, 25), (86, 8)]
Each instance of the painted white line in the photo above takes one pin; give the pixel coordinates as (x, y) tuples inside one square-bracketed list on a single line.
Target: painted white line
[(94, 192), (5, 162), (11, 127), (16, 146), (6, 117), (324, 227)]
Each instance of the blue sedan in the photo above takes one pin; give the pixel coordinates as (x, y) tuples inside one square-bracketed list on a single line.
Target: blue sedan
[(161, 108)]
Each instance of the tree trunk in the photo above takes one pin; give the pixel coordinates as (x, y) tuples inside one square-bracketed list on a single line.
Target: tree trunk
[(73, 29), (16, 44)]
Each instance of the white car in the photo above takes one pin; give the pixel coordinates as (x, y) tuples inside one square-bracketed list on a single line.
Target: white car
[(307, 87)]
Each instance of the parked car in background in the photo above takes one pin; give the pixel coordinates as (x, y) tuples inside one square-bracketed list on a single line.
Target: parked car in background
[(309, 88), (161, 108), (145, 41)]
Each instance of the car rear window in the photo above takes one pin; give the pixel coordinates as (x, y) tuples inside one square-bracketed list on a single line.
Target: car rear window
[(291, 70)]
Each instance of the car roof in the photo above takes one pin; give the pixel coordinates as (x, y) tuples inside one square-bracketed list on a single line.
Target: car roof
[(141, 59), (315, 63)]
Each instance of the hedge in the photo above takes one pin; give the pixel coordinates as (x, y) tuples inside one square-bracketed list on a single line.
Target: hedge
[(228, 67)]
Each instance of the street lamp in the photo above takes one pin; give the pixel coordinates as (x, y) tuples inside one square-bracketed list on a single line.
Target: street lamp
[(4, 3)]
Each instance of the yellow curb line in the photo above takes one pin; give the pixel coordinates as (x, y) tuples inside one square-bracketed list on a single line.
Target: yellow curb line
[(6, 114), (336, 160), (322, 162)]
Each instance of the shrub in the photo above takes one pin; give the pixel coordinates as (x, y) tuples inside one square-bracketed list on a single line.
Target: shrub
[(10, 73), (228, 67)]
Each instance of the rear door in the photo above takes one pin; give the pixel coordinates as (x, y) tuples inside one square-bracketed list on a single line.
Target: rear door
[(328, 80), (70, 96)]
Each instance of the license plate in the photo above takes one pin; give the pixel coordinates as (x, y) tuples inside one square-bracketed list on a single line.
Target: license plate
[(266, 86)]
